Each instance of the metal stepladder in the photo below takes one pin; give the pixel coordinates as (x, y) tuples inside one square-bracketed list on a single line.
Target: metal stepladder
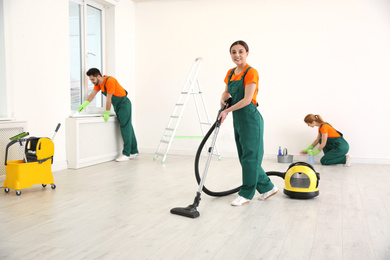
[(189, 89)]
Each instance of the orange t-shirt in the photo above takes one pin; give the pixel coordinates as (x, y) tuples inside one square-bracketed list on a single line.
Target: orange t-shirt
[(326, 128), (113, 87), (251, 77)]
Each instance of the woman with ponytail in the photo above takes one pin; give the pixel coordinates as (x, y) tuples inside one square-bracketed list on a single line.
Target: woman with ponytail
[(331, 141)]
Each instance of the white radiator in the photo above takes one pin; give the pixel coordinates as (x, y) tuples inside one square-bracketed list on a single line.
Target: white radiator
[(9, 129), (90, 140)]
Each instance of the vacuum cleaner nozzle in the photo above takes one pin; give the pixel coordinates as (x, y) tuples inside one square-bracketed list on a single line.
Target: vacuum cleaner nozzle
[(189, 211)]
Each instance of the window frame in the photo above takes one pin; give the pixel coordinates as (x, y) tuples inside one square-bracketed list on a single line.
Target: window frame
[(84, 53), (3, 81)]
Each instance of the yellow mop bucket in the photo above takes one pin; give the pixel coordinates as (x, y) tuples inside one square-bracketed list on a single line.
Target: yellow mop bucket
[(34, 169)]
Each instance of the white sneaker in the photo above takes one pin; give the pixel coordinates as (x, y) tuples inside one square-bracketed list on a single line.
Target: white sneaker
[(240, 201), (132, 156), (268, 194), (349, 161), (122, 158)]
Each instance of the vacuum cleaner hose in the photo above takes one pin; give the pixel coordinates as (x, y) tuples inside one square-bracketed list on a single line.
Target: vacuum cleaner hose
[(198, 179)]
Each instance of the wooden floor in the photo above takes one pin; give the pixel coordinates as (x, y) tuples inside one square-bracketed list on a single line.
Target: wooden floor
[(122, 211)]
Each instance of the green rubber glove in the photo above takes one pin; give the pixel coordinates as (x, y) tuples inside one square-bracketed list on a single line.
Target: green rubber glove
[(309, 148), (106, 115), (311, 153), (84, 105)]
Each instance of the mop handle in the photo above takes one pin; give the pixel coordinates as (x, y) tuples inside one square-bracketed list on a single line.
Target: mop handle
[(55, 132)]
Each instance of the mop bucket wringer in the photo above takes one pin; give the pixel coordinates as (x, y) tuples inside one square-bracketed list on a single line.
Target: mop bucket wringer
[(34, 169)]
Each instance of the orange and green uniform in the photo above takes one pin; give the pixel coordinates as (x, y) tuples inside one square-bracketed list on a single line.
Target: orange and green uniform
[(122, 108), (336, 147), (248, 133)]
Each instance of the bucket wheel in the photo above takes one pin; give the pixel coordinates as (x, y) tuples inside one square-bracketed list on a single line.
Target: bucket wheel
[(18, 192), (6, 190)]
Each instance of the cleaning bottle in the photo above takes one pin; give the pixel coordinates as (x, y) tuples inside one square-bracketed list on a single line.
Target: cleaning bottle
[(280, 151), (311, 159)]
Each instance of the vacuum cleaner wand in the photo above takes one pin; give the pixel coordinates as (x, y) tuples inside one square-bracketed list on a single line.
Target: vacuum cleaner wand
[(191, 211)]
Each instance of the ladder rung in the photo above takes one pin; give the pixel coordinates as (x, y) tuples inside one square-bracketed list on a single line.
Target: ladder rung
[(170, 129), (174, 116), (164, 141), (191, 92), (180, 104), (206, 123)]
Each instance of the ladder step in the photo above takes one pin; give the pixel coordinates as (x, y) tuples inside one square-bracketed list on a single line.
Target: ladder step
[(180, 104), (206, 123), (170, 129), (191, 92), (174, 116), (188, 137), (164, 141)]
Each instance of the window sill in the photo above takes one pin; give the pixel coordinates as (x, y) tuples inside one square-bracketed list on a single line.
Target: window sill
[(6, 119), (82, 115)]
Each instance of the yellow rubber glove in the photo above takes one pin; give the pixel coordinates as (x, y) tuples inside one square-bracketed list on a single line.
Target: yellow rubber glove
[(309, 148), (311, 153), (84, 105), (106, 115)]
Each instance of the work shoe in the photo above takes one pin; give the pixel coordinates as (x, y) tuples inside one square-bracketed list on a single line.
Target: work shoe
[(132, 156), (349, 161), (240, 201), (268, 194), (122, 158)]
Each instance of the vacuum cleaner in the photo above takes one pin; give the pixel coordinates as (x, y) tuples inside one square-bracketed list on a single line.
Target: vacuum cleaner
[(301, 180)]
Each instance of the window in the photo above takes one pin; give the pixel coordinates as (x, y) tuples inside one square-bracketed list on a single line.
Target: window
[(3, 89), (86, 51)]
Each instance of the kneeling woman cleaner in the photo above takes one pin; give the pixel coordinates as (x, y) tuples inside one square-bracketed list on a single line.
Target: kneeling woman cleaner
[(242, 85), (331, 142)]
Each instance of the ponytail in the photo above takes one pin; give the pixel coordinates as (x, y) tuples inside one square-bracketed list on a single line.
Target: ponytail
[(319, 119), (310, 118)]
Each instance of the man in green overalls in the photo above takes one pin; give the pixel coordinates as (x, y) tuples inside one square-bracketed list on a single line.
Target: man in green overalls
[(242, 86), (117, 96)]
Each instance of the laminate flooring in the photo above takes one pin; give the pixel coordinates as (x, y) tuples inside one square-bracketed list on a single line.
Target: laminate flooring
[(122, 211)]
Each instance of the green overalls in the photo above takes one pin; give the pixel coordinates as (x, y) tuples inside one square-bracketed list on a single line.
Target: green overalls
[(335, 149), (122, 108), (248, 132)]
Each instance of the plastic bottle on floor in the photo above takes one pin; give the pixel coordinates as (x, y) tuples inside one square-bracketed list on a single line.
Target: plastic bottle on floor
[(311, 159)]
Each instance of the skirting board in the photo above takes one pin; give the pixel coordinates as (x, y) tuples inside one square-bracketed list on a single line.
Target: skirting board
[(297, 158)]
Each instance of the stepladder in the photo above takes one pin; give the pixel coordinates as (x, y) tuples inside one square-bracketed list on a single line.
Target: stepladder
[(192, 88)]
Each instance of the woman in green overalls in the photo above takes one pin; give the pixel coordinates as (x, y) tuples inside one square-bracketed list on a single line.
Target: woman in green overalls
[(331, 142), (242, 85), (116, 96)]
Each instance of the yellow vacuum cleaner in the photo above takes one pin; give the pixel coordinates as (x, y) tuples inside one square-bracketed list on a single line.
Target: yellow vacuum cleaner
[(301, 181), (35, 168)]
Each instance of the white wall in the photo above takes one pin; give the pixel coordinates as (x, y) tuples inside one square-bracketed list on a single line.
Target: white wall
[(324, 57), (303, 50), (37, 63), (3, 89)]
